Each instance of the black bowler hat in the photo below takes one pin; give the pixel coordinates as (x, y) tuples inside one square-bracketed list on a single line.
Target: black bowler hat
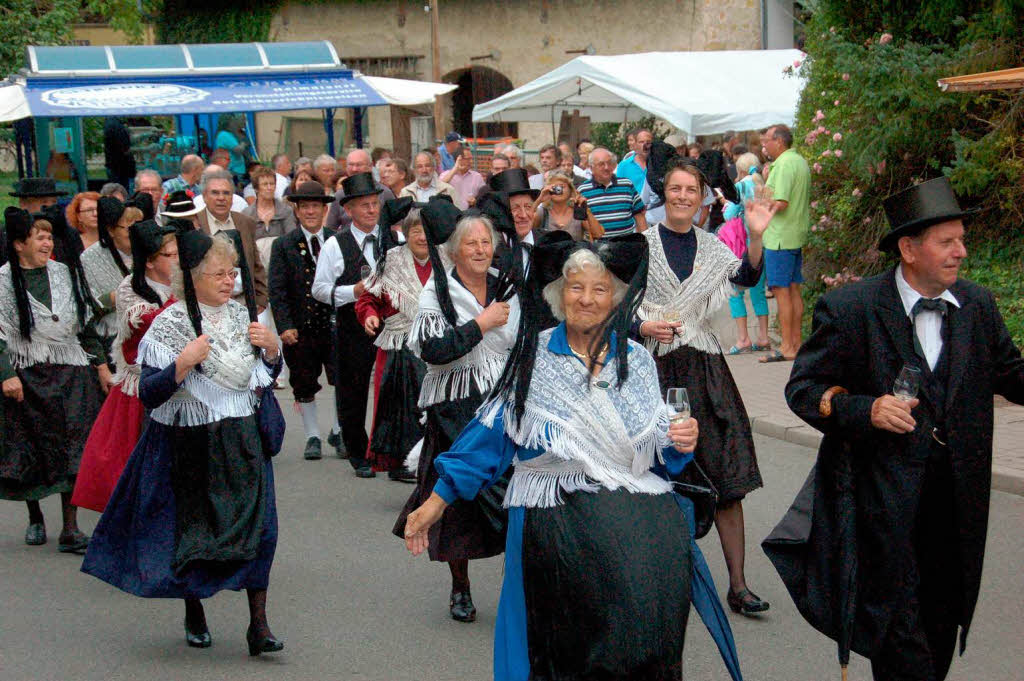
[(513, 181), (310, 190), (36, 187), (913, 210), (360, 184)]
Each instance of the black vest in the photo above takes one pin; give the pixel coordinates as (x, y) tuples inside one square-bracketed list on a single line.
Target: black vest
[(352, 255)]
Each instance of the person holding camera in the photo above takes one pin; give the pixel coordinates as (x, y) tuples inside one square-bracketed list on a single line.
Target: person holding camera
[(560, 206)]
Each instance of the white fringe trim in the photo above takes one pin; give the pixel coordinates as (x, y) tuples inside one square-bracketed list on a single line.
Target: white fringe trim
[(480, 368), (128, 379), (697, 335), (390, 339), (426, 325), (24, 355), (544, 490)]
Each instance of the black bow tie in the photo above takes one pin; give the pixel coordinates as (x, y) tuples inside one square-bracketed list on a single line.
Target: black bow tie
[(934, 304)]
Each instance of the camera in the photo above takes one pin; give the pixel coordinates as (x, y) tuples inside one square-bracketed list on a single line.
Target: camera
[(557, 189)]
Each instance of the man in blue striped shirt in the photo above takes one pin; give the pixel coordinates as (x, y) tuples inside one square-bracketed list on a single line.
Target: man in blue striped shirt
[(614, 201)]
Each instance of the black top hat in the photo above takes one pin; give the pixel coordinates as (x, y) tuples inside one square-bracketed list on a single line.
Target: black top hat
[(513, 181), (108, 211), (37, 187), (311, 190), (360, 184), (180, 204), (914, 209)]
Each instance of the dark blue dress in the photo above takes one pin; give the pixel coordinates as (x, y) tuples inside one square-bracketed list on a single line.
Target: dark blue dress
[(135, 543)]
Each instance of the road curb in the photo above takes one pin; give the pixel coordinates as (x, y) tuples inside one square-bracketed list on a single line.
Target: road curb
[(789, 428)]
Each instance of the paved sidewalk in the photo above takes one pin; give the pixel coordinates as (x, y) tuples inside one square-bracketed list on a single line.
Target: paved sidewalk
[(761, 386)]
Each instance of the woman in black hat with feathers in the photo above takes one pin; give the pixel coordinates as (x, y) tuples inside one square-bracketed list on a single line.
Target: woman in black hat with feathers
[(51, 394), (194, 511), (597, 561), (464, 330), (141, 296)]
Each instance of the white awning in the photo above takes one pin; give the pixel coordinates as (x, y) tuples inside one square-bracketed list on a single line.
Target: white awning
[(400, 92), (701, 93)]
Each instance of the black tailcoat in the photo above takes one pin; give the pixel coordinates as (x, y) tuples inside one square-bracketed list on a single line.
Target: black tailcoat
[(292, 269), (861, 338)]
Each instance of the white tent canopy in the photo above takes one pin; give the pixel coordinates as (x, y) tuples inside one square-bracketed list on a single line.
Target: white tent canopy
[(701, 93)]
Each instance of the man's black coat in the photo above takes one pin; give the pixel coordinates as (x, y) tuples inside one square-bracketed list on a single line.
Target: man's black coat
[(860, 340), (291, 281)]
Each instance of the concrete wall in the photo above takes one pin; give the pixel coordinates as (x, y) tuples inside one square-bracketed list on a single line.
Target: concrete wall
[(529, 37)]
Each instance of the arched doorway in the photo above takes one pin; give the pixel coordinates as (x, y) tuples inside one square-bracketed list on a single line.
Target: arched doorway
[(478, 84)]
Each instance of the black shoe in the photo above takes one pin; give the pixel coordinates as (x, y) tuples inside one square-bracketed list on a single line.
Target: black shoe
[(403, 474), (35, 535), (198, 639), (73, 543), (312, 452), (365, 471), (262, 644), (746, 602), (334, 439), (461, 607)]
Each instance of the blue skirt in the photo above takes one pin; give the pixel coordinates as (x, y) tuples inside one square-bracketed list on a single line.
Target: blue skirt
[(133, 545)]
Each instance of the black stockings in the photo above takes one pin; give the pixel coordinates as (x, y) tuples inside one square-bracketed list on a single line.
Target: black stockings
[(460, 575), (258, 612)]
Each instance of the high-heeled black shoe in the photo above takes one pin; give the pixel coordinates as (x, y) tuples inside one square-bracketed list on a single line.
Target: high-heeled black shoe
[(198, 639), (262, 644), (746, 602), (461, 606)]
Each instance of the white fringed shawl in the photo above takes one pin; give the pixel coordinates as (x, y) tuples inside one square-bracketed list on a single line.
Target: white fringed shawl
[(55, 334), (131, 307), (402, 286), (103, 276), (231, 372), (693, 301), (593, 434), (481, 366)]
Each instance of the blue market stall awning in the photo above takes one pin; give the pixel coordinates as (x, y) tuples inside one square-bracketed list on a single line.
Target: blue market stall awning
[(197, 95), (190, 79)]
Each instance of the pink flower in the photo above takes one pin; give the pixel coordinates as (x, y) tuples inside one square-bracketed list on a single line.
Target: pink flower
[(846, 76), (857, 192), (835, 103), (836, 137), (866, 220), (827, 152), (838, 153), (871, 170), (814, 204), (881, 167), (817, 167), (819, 115), (796, 64), (885, 39), (814, 228), (820, 129)]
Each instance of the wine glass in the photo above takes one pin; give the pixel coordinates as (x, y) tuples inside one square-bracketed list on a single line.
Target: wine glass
[(364, 272), (679, 400), (907, 384)]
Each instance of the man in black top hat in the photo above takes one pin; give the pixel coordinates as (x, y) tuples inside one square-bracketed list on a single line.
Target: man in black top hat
[(35, 193), (304, 323), (345, 262), (510, 205), (901, 487)]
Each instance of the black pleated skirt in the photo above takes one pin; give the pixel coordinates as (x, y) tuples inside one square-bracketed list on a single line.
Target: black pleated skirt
[(607, 586), (397, 428), (725, 448)]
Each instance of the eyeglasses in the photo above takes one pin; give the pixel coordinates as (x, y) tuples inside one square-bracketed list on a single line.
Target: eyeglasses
[(227, 274)]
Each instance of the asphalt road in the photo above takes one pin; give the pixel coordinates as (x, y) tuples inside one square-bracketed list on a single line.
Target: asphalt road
[(352, 604)]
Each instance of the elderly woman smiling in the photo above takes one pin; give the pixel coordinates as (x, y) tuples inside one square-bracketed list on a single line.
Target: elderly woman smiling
[(464, 335), (194, 511), (598, 552)]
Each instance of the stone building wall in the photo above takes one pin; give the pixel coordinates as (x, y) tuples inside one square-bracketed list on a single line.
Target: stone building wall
[(522, 38)]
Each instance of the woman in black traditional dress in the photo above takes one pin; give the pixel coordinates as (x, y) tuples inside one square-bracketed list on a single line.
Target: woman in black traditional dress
[(691, 275), (464, 335), (51, 394), (194, 511), (598, 562)]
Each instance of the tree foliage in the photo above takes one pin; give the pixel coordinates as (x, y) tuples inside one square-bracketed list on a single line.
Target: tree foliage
[(217, 21), (31, 22)]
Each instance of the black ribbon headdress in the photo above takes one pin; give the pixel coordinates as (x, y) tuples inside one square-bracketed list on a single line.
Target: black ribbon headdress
[(147, 239), (193, 245), (625, 257), (391, 213), (657, 165), (17, 226), (509, 257), (143, 202), (108, 212), (439, 220)]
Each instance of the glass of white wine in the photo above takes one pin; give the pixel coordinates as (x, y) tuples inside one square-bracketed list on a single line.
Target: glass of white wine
[(364, 272), (679, 400), (907, 384)]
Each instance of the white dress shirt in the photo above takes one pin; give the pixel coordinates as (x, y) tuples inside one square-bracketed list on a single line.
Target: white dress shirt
[(282, 184), (331, 265), (928, 325)]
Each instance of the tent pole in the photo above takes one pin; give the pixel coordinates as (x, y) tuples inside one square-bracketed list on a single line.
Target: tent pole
[(329, 128), (357, 125)]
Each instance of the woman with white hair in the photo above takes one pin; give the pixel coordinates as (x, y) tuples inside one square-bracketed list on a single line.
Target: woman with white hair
[(194, 512), (598, 553), (464, 330)]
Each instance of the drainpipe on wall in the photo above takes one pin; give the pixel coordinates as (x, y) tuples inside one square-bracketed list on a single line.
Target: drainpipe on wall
[(764, 24)]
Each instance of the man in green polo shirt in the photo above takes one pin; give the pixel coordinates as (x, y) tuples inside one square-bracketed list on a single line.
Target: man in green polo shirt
[(790, 182)]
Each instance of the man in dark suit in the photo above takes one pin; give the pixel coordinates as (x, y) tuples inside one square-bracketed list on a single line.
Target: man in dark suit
[(303, 322), (218, 217), (901, 487), (510, 206)]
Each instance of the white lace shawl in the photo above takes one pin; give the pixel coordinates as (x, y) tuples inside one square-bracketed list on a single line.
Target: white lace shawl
[(693, 301), (53, 341), (103, 276), (402, 286), (593, 433), (481, 366), (130, 309), (231, 372)]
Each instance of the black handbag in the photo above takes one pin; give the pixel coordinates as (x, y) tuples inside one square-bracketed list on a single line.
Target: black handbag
[(699, 489), (270, 420)]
